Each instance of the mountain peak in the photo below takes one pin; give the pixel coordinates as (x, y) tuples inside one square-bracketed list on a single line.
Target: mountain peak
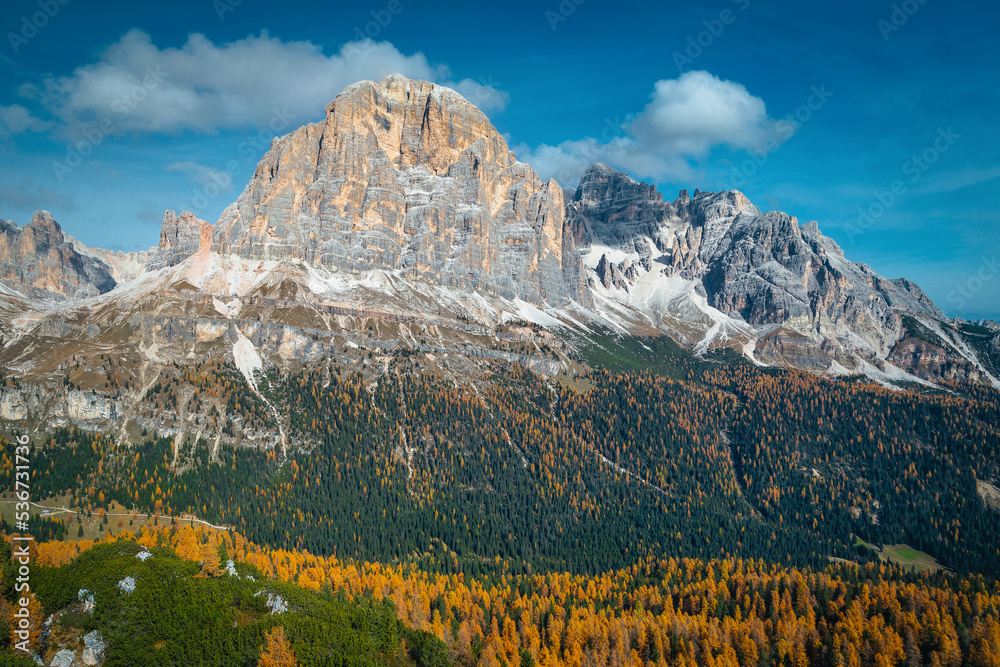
[(44, 227), (603, 182), (414, 122), (607, 169), (180, 237), (717, 205), (411, 177), (38, 260)]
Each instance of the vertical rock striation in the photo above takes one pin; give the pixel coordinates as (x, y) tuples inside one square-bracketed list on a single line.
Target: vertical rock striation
[(410, 177), (180, 237), (760, 268), (39, 261)]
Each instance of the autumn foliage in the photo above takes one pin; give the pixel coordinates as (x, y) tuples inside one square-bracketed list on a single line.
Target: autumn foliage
[(660, 612), (277, 651)]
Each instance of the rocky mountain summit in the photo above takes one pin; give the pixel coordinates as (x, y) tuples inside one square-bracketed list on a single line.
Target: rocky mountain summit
[(403, 219), (410, 177), (714, 268), (180, 237), (39, 261)]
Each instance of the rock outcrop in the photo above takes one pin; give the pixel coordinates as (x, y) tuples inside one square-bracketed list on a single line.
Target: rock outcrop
[(124, 266), (407, 176), (406, 190), (180, 237), (38, 261), (94, 648), (809, 305)]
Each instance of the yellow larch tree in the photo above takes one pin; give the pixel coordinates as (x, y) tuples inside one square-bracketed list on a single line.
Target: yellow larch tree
[(277, 650)]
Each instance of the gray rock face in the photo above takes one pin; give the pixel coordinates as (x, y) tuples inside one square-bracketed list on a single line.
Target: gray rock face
[(408, 176), (611, 208), (64, 658), (39, 261), (180, 237), (12, 406), (84, 406), (767, 269), (611, 275), (94, 648), (124, 266), (761, 268)]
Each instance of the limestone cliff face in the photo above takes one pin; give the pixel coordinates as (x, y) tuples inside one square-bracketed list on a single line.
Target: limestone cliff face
[(760, 268), (933, 362), (407, 176), (609, 207), (39, 261), (767, 269), (180, 237)]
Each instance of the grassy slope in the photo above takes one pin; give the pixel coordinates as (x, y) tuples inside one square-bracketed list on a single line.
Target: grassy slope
[(909, 558), (660, 355)]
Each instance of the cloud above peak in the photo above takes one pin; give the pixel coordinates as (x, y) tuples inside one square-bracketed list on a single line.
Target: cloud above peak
[(685, 119), (205, 87), (691, 115)]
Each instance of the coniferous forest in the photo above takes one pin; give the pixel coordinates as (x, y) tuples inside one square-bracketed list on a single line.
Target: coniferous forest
[(717, 511)]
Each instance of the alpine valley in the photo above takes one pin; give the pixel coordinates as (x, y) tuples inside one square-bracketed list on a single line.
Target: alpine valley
[(400, 346)]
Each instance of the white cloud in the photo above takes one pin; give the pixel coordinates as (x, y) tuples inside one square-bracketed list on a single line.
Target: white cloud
[(685, 120), (202, 175), (15, 119), (567, 161), (205, 87), (691, 115), (482, 93)]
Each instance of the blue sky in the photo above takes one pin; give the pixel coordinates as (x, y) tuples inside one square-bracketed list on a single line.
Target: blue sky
[(877, 119)]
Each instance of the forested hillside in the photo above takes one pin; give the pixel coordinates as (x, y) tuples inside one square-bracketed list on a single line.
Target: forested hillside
[(154, 608), (709, 613), (727, 460)]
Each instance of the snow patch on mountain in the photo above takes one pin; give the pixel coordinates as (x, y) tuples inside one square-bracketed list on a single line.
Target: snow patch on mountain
[(678, 304), (230, 274), (957, 344), (7, 291), (525, 311), (615, 255), (888, 375)]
